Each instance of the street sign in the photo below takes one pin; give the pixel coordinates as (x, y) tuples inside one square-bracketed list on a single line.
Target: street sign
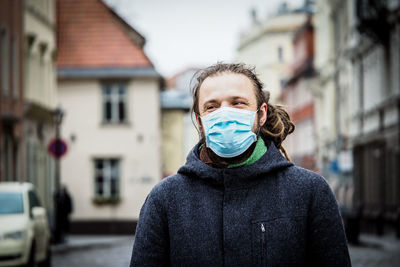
[(57, 148)]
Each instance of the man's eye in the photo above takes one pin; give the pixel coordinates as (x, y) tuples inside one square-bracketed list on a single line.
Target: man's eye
[(238, 103), (210, 107)]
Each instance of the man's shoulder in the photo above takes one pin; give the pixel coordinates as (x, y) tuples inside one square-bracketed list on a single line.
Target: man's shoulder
[(168, 185), (304, 177), (303, 173)]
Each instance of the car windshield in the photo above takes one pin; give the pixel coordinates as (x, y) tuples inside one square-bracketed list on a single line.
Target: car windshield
[(11, 203)]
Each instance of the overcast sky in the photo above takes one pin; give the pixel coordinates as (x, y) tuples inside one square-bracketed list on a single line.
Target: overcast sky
[(191, 33)]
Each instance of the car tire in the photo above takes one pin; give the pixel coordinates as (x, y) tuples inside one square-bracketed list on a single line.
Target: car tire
[(32, 256), (47, 261)]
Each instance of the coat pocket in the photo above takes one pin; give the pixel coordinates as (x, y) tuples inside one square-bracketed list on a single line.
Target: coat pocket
[(279, 242), (259, 243)]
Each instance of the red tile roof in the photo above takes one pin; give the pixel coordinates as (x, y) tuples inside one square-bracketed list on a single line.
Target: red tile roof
[(171, 81), (91, 35)]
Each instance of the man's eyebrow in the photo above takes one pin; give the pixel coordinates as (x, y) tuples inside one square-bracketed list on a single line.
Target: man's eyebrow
[(244, 99), (211, 101), (232, 98)]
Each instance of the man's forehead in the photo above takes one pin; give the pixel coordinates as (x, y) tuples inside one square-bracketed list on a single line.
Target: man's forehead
[(227, 77), (227, 83), (227, 96)]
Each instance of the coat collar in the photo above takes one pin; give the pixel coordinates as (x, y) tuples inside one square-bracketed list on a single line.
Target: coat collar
[(270, 162)]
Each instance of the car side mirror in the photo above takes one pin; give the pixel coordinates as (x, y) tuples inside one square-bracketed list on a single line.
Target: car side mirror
[(38, 212)]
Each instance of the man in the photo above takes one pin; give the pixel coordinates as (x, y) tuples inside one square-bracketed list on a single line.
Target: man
[(238, 201)]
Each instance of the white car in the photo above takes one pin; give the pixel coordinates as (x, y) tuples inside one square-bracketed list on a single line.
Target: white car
[(24, 230)]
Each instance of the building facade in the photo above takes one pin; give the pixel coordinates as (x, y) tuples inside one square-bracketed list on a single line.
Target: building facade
[(375, 111), (331, 92), (357, 59), (179, 135), (40, 97), (267, 45), (11, 95), (299, 100), (109, 91)]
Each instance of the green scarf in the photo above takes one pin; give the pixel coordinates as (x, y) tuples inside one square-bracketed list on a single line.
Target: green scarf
[(258, 152)]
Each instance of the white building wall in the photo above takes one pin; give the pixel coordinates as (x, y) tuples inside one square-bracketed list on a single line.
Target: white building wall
[(371, 72), (324, 44), (374, 90), (303, 95), (323, 88), (40, 88), (335, 90), (136, 144), (40, 76), (305, 138), (264, 55), (395, 64), (325, 115), (355, 102), (302, 141)]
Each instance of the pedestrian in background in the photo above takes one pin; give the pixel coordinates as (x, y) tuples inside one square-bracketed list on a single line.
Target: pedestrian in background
[(238, 200), (64, 209)]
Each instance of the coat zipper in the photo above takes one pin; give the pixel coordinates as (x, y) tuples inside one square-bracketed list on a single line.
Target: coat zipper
[(262, 244)]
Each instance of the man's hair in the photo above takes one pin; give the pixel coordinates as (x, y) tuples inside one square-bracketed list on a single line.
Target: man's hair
[(278, 124)]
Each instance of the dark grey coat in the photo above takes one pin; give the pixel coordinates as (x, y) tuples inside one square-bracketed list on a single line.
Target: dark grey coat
[(270, 213)]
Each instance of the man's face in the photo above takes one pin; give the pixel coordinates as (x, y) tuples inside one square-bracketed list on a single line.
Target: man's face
[(229, 90)]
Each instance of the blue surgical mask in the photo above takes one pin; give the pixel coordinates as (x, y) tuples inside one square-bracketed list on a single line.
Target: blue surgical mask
[(228, 131)]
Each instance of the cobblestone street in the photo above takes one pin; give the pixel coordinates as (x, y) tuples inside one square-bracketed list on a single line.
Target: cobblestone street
[(113, 252), (376, 252), (116, 252)]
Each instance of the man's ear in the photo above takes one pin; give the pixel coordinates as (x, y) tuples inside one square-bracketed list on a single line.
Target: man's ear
[(198, 120), (263, 116)]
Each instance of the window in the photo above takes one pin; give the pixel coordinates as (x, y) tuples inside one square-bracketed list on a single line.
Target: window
[(15, 66), (33, 200), (11, 203), (280, 54), (106, 179), (114, 103), (4, 61), (42, 66)]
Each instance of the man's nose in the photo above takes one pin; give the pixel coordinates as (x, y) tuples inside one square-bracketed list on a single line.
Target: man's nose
[(225, 104)]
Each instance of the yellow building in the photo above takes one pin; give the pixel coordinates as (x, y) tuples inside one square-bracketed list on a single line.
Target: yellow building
[(178, 132)]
